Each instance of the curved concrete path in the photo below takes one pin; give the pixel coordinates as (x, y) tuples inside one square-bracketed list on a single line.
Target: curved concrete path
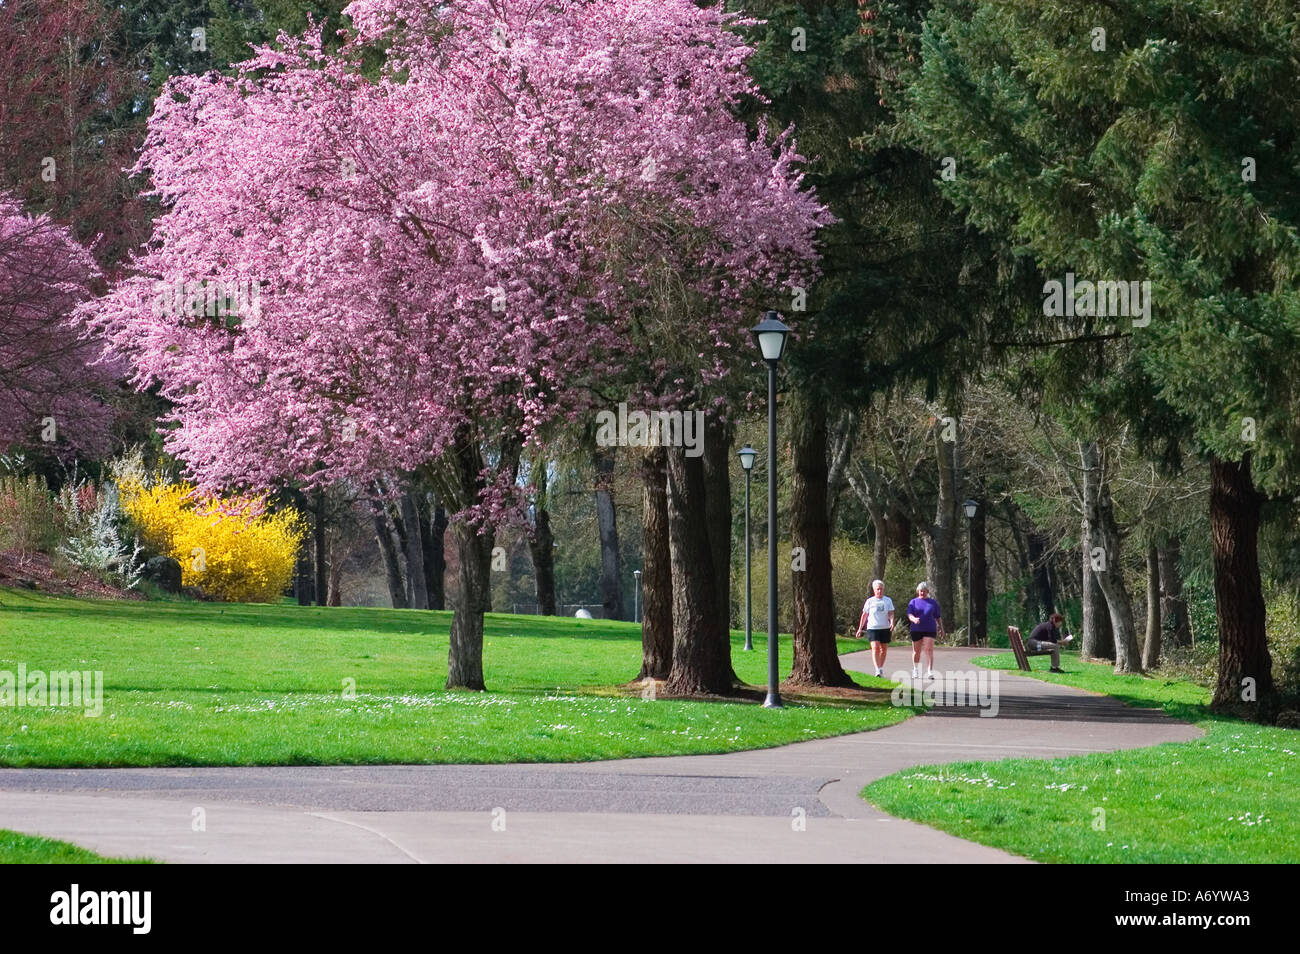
[(796, 803)]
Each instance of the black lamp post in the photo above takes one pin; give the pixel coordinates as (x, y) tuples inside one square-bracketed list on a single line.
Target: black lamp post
[(770, 335), (746, 455), (971, 507)]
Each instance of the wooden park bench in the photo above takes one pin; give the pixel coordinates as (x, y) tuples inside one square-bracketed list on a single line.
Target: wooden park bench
[(1018, 647)]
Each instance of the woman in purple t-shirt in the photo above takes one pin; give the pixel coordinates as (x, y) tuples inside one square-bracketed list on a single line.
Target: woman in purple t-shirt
[(927, 623)]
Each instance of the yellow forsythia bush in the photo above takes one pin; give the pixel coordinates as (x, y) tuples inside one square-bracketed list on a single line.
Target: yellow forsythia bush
[(234, 550)]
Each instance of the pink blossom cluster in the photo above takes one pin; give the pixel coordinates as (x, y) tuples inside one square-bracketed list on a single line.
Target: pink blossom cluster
[(462, 244), (51, 386)]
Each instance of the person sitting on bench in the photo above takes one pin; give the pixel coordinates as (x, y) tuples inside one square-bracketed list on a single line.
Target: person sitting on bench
[(1046, 638)]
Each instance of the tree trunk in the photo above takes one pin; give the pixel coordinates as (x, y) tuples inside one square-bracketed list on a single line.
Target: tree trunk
[(867, 494), (816, 661), (1044, 595), (1173, 608), (1097, 638), (717, 511), (335, 578), (611, 576), (392, 567), (541, 545), (1151, 646), (1245, 668), (656, 569), (841, 441), (1028, 602), (461, 479), (465, 655), (880, 549), (320, 569), (900, 535), (415, 573), (1108, 568), (302, 580), (435, 556), (979, 575), (701, 647)]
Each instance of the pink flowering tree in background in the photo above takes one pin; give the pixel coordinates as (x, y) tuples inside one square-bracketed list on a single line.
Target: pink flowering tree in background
[(424, 270), (51, 389)]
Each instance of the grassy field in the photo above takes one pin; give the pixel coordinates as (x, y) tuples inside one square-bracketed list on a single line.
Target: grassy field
[(1231, 796), (19, 849), (229, 684)]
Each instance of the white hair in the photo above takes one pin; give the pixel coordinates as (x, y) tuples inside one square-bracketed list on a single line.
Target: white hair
[(923, 586), (879, 583)]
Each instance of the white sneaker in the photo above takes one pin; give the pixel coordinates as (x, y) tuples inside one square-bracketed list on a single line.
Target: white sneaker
[(930, 674), (916, 673), (879, 672)]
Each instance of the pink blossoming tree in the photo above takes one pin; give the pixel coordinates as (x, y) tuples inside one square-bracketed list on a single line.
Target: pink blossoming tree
[(448, 255), (50, 386)]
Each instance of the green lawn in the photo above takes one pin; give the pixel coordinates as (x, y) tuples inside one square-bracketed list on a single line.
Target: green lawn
[(1231, 796), (19, 849), (231, 684)]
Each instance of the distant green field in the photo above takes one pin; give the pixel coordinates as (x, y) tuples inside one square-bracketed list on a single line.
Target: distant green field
[(1231, 796), (233, 684), (19, 849)]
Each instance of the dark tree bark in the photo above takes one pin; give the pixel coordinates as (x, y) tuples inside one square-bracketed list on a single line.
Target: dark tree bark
[(1151, 646), (302, 580), (1104, 540), (656, 568), (433, 533), (979, 574), (1044, 595), (1029, 599), (335, 597), (388, 551), (900, 535), (842, 439), (321, 564), (541, 545), (1173, 608), (816, 661), (415, 572), (880, 546), (611, 575), (701, 647), (465, 655), (717, 512), (462, 482), (1244, 661), (1097, 638)]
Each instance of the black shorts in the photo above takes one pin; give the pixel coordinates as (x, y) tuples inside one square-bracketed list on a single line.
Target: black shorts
[(878, 635), (917, 637)]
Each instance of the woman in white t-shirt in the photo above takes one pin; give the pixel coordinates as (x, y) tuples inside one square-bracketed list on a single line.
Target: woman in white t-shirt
[(878, 621)]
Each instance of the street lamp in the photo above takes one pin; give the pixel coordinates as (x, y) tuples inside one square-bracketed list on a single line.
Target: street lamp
[(971, 507), (770, 335), (636, 597), (746, 455)]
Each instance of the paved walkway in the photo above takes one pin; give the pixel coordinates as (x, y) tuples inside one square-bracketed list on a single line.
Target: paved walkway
[(796, 803)]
